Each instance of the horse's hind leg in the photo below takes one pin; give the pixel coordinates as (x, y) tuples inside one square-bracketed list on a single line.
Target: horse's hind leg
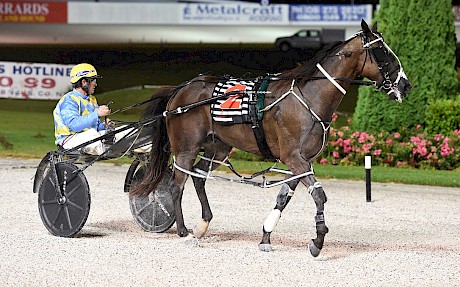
[(213, 150), (177, 190)]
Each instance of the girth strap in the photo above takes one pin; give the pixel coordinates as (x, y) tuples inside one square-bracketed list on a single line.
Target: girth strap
[(257, 117), (259, 133)]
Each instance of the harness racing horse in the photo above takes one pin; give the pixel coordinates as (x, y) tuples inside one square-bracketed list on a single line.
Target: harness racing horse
[(296, 118)]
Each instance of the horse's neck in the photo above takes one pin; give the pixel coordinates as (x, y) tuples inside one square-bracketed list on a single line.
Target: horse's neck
[(337, 66)]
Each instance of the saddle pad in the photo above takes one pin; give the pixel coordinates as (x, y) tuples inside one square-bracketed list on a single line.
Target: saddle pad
[(233, 109)]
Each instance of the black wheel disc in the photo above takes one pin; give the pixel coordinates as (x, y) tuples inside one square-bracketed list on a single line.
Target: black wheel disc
[(64, 215), (155, 212)]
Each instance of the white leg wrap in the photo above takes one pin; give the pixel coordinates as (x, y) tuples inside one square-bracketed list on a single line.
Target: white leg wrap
[(312, 187), (272, 220)]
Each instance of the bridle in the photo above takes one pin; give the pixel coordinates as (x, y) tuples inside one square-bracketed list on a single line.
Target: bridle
[(383, 56)]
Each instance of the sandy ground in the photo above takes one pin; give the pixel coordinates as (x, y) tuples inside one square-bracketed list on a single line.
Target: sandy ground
[(407, 236)]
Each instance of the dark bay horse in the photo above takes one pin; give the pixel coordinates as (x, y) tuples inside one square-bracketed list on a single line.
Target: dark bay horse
[(296, 117)]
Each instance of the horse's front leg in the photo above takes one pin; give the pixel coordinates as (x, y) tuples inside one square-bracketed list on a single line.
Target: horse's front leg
[(284, 196), (319, 196), (299, 166)]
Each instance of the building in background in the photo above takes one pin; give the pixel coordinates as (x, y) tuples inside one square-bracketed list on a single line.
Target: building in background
[(116, 21)]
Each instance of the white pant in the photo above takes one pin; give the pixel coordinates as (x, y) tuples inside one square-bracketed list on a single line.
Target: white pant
[(95, 148)]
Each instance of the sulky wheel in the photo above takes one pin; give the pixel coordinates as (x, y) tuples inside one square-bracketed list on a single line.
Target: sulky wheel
[(64, 214), (155, 212)]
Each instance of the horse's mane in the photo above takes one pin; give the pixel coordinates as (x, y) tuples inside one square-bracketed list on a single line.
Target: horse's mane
[(304, 72)]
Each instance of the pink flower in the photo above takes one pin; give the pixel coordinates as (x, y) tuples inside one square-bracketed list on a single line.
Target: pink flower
[(422, 151), (389, 141), (397, 135), (338, 142), (377, 152), (446, 150), (415, 140), (362, 137), (367, 147), (437, 137), (335, 154), (346, 146), (418, 127), (401, 163), (334, 117), (323, 161)]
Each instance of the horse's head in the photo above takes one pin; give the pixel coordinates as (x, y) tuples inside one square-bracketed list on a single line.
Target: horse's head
[(384, 67)]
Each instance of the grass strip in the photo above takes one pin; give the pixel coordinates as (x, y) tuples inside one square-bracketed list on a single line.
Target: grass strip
[(27, 130)]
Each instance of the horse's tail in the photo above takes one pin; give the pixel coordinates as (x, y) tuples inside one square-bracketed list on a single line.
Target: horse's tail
[(160, 152)]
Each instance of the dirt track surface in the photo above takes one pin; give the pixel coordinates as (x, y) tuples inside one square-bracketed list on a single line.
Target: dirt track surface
[(407, 236)]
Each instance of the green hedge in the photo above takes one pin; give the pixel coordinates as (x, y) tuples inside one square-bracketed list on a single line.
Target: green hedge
[(422, 34), (443, 116)]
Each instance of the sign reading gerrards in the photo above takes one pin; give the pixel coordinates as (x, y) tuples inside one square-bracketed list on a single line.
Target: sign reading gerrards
[(33, 12)]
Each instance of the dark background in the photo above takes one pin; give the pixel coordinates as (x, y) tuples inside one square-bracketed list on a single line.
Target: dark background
[(128, 65), (124, 66)]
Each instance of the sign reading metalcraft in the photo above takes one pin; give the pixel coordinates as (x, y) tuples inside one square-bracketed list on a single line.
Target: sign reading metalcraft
[(34, 81), (33, 12), (234, 13)]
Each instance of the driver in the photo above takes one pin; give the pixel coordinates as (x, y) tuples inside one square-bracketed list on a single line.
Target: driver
[(76, 116)]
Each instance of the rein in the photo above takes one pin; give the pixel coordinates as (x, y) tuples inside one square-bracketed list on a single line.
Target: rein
[(132, 106)]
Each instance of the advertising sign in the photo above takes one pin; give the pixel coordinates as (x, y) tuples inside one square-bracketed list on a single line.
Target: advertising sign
[(34, 81), (321, 14), (234, 13), (33, 12)]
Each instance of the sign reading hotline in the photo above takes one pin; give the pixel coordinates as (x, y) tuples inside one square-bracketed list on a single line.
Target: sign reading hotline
[(34, 81)]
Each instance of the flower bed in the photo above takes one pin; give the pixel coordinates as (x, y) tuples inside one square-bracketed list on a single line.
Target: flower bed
[(405, 148)]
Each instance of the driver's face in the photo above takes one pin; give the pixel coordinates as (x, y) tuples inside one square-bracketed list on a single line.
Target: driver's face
[(92, 84)]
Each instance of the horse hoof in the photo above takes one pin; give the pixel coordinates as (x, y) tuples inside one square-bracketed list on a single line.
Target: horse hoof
[(313, 249), (200, 229), (191, 240), (265, 247)]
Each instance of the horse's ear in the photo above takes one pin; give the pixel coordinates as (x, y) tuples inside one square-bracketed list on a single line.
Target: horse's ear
[(364, 26), (374, 27)]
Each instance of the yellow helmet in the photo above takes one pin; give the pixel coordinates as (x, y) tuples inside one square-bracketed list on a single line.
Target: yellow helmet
[(83, 71)]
